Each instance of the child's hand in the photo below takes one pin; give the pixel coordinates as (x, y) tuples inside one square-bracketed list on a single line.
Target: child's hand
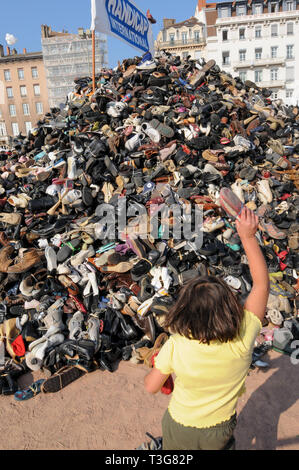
[(247, 224)]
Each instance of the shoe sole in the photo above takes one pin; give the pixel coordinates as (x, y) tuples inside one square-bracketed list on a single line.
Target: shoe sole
[(60, 380)]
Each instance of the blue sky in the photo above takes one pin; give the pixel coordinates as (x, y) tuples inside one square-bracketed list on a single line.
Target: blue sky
[(23, 19)]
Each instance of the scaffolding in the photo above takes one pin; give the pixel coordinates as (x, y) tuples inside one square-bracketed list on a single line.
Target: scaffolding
[(67, 57)]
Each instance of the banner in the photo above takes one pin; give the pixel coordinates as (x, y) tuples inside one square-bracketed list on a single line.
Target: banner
[(123, 20)]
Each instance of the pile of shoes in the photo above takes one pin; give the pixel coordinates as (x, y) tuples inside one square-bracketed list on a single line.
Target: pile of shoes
[(78, 289)]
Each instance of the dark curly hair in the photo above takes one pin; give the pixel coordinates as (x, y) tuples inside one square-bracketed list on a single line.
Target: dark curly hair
[(206, 309)]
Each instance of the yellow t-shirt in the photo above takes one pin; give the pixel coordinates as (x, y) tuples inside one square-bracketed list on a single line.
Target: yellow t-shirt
[(209, 378)]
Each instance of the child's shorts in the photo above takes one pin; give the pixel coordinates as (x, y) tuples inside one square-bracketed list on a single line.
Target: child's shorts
[(179, 437)]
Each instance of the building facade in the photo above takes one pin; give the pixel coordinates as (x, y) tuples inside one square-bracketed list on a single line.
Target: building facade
[(183, 39), (23, 92), (67, 56), (258, 41)]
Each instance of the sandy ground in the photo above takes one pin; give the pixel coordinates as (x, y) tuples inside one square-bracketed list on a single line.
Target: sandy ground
[(112, 412)]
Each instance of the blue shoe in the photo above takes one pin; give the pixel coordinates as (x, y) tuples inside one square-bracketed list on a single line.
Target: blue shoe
[(29, 392), (147, 56)]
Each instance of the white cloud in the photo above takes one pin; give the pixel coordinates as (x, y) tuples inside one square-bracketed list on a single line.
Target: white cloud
[(10, 39)]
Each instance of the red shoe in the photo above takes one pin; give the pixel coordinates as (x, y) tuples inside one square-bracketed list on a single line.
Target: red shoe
[(150, 18)]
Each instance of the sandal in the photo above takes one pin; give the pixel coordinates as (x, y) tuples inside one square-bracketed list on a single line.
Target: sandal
[(29, 392)]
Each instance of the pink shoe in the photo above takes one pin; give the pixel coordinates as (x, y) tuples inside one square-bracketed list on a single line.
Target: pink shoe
[(230, 203)]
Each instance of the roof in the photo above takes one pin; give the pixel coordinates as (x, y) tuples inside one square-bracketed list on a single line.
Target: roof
[(21, 57), (190, 22)]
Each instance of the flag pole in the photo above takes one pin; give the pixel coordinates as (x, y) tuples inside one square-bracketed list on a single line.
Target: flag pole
[(93, 61)]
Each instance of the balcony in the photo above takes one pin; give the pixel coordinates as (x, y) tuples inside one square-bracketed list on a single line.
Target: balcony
[(272, 84), (257, 18), (263, 62), (181, 43)]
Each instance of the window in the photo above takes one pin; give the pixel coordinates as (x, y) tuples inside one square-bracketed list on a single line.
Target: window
[(258, 75), (274, 50), (258, 54), (290, 74), (184, 54), (257, 9), (171, 37), (28, 126), (225, 58), (23, 90), (289, 5), (242, 55), (274, 74), (274, 30), (21, 74), (184, 38), (243, 76), (258, 32), (36, 89), (197, 35), (2, 128), (224, 35), (224, 12), (7, 75), (274, 7), (290, 52), (290, 29), (289, 93), (34, 72), (12, 110), (39, 107), (26, 110), (242, 33), (9, 92), (241, 10), (15, 128), (274, 95)]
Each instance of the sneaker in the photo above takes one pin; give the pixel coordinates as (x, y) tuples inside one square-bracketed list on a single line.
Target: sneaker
[(147, 65), (154, 444)]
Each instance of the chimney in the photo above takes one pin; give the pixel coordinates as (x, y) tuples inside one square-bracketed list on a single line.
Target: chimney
[(201, 4), (1, 51), (24, 50), (46, 30), (7, 50), (168, 22)]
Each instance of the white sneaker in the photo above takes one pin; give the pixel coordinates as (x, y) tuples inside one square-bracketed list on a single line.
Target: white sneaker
[(135, 141), (264, 191), (148, 65), (153, 134), (238, 190), (115, 109)]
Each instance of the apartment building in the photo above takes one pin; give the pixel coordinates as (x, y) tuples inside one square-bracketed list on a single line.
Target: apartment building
[(23, 92), (183, 39), (257, 40), (67, 56)]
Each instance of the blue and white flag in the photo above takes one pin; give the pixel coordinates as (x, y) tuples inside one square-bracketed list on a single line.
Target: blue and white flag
[(124, 20)]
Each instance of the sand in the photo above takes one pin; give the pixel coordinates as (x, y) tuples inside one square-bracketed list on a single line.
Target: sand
[(104, 411)]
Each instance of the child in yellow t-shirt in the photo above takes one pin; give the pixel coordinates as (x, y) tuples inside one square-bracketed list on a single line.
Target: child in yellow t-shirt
[(210, 353)]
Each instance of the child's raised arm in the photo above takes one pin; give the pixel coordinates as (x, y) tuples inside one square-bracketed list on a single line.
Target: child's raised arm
[(257, 300)]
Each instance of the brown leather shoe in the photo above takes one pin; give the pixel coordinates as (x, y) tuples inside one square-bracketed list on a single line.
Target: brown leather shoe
[(3, 239), (29, 259), (5, 260)]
